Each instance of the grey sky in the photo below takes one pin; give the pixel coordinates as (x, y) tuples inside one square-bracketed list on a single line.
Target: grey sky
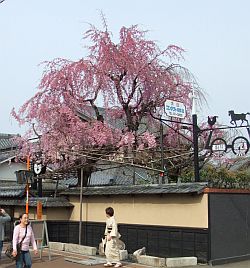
[(215, 34)]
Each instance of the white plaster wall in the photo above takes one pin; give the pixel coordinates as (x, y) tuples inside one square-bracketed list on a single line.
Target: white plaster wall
[(168, 210), (7, 172)]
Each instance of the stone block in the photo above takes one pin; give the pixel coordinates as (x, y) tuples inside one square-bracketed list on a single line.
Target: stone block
[(181, 261), (57, 246), (123, 255), (80, 249), (151, 261)]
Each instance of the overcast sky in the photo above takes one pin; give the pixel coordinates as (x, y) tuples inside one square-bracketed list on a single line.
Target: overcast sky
[(215, 35)]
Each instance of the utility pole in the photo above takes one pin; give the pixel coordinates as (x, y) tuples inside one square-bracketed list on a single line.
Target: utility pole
[(195, 139), (40, 186), (196, 148), (27, 185), (161, 177), (80, 223)]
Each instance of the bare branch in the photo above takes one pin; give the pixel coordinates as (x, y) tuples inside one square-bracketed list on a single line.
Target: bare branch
[(38, 135), (134, 86)]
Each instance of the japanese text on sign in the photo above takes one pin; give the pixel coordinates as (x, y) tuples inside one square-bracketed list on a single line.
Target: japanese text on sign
[(175, 109)]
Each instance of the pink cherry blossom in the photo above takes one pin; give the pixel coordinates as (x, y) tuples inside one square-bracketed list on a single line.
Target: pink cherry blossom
[(131, 78)]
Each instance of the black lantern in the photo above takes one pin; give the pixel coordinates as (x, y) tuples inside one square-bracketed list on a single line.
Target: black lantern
[(24, 176)]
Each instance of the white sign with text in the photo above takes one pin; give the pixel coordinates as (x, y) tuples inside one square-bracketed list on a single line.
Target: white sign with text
[(175, 109)]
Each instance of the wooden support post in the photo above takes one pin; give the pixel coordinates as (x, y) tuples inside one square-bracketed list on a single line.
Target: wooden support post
[(27, 199), (39, 209)]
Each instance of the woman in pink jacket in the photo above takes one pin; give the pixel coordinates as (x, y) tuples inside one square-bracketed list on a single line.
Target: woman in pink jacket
[(23, 233)]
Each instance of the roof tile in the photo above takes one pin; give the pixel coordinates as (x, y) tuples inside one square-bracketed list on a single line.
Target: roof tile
[(46, 202), (184, 188)]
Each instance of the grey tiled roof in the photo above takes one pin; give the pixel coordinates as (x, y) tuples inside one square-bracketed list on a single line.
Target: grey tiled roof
[(62, 184), (7, 155), (119, 123), (123, 175), (90, 115), (6, 141), (69, 182), (46, 202), (241, 164), (184, 188), (7, 183), (51, 186), (12, 191)]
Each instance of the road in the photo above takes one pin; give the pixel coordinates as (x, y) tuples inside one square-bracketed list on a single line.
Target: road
[(58, 261)]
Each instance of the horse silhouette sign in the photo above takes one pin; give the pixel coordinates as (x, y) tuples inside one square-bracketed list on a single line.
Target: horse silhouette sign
[(238, 117), (240, 145)]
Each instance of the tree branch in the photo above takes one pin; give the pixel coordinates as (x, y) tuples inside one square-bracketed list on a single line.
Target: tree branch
[(99, 117), (134, 86), (38, 135)]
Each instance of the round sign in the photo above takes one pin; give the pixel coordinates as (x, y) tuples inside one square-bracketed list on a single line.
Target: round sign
[(37, 168), (240, 146), (218, 147)]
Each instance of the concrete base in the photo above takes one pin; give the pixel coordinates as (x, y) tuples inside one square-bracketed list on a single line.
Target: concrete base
[(85, 250), (123, 255), (181, 262), (57, 246), (86, 262), (151, 261)]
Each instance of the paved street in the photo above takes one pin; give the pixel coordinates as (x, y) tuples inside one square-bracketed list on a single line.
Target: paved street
[(58, 260)]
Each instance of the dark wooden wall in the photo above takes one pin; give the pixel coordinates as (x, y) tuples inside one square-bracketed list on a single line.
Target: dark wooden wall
[(159, 240), (229, 225)]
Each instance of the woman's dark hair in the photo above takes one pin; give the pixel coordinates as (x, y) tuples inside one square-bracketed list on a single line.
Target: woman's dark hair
[(109, 211), (21, 215), (19, 219)]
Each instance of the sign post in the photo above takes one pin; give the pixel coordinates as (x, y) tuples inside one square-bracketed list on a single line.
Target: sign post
[(27, 187), (27, 199), (240, 145), (39, 210), (178, 110), (39, 169), (40, 231), (172, 109)]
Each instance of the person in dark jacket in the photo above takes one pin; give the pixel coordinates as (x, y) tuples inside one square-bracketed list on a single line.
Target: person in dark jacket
[(4, 217)]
